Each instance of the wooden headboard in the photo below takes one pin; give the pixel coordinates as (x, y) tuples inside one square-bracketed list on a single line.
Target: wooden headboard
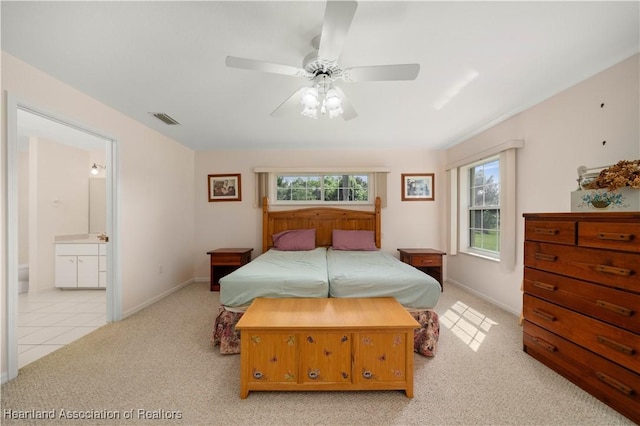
[(323, 219)]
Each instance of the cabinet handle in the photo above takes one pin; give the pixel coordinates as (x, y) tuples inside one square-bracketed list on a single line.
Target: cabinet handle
[(615, 308), (615, 237), (548, 346), (367, 374), (546, 231), (313, 374), (544, 286), (544, 315), (627, 390), (257, 375), (627, 350), (613, 270), (548, 257)]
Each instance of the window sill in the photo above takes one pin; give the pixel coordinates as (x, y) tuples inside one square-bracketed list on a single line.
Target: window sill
[(481, 256)]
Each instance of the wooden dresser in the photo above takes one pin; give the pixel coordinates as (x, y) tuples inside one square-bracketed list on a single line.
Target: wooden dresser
[(581, 302)]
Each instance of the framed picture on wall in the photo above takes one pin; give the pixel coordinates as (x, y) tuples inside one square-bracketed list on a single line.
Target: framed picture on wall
[(225, 187), (418, 187)]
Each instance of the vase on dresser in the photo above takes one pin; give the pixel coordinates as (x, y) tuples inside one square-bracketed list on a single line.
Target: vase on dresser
[(604, 200)]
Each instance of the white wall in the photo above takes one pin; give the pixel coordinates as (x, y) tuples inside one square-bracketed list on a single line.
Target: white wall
[(156, 188), (239, 224), (23, 207), (561, 134), (60, 203)]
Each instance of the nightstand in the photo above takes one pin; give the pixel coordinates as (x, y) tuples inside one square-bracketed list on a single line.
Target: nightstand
[(226, 260), (427, 260)]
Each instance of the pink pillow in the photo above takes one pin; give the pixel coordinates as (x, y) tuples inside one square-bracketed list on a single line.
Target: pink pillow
[(353, 240), (295, 240)]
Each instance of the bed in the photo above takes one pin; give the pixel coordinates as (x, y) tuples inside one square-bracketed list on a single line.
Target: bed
[(325, 252), (379, 274)]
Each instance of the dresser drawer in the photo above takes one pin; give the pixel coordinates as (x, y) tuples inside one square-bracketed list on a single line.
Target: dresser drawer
[(608, 304), (421, 260), (606, 267), (604, 339), (615, 236), (561, 232), (228, 259), (616, 386)]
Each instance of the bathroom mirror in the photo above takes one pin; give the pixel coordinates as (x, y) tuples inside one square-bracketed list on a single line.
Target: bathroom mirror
[(97, 205)]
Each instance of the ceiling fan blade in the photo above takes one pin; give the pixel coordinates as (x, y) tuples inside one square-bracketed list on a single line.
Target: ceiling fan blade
[(337, 20), (349, 112), (288, 105), (382, 73), (255, 65)]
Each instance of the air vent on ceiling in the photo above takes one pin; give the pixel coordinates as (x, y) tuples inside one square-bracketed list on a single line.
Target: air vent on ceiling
[(165, 118)]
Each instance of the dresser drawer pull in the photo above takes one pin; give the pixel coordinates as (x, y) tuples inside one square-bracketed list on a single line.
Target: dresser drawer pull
[(545, 286), (613, 270), (627, 350), (548, 346), (546, 231), (615, 237), (544, 256), (545, 315), (615, 308), (615, 384)]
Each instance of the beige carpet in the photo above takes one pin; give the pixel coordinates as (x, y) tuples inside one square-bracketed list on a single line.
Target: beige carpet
[(159, 363)]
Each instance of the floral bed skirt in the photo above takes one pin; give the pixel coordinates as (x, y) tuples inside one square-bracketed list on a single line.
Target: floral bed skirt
[(425, 338)]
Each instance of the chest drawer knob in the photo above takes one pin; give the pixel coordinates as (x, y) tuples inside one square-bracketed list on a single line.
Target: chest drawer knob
[(546, 231), (616, 384), (545, 286), (615, 237), (367, 374), (257, 375), (545, 256), (546, 345), (613, 270), (544, 315), (615, 308), (616, 346)]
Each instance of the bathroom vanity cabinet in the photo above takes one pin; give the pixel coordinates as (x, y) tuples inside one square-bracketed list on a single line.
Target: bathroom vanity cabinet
[(80, 265)]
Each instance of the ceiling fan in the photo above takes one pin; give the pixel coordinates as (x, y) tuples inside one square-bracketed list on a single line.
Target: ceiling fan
[(322, 68)]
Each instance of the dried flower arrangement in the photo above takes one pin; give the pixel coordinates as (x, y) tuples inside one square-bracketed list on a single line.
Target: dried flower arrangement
[(624, 173)]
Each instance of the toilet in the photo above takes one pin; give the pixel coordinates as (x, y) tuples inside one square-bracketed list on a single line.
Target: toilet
[(23, 278)]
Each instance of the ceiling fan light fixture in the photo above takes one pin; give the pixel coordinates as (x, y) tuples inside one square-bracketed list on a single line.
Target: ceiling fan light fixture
[(309, 101), (309, 97)]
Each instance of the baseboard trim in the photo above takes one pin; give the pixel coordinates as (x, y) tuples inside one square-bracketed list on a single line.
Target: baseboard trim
[(482, 296), (4, 378), (202, 279), (156, 298)]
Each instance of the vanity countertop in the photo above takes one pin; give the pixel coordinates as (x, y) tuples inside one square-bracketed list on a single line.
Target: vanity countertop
[(78, 239)]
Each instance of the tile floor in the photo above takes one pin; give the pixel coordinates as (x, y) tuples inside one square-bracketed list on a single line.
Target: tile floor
[(49, 320)]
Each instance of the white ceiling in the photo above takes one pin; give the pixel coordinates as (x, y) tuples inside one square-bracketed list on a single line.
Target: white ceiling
[(142, 57)]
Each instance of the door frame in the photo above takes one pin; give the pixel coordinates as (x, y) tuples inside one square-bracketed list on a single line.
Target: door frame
[(114, 289)]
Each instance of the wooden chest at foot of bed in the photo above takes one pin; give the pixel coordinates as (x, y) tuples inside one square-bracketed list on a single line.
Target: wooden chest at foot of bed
[(326, 344)]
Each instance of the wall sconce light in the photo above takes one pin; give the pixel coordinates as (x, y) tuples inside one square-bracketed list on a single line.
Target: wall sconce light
[(95, 169)]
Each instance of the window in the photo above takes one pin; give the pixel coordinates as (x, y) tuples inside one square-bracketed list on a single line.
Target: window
[(482, 202), (322, 188), (484, 206)]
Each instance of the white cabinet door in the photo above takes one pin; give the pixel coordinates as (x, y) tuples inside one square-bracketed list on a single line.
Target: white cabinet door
[(66, 271), (87, 271), (102, 271)]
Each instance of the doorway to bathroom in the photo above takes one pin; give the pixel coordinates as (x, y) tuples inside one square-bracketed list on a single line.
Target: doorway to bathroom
[(63, 202)]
